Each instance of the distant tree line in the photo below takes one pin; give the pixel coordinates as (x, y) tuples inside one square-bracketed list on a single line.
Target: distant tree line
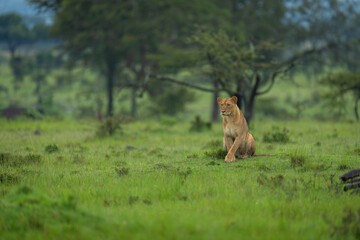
[(239, 47)]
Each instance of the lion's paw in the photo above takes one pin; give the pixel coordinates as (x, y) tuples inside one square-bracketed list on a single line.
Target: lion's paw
[(230, 158)]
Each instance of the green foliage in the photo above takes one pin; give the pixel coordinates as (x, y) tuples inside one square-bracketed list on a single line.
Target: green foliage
[(341, 84), (7, 177), (170, 100), (13, 31), (268, 107), (298, 159), (19, 68), (199, 125), (9, 159), (123, 171), (51, 148), (219, 153), (277, 135), (239, 68), (109, 127)]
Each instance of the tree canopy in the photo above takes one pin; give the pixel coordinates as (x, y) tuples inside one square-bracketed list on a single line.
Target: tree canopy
[(13, 31), (246, 44)]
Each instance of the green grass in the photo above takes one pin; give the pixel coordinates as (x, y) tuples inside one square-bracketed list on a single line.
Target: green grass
[(156, 181)]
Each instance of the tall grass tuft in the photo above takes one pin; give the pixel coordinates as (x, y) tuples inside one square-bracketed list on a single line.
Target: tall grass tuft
[(298, 159)]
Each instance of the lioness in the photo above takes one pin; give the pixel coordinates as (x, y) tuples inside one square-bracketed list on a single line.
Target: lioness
[(237, 139)]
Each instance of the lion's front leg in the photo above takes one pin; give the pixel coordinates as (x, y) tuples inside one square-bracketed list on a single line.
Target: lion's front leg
[(228, 142), (230, 157)]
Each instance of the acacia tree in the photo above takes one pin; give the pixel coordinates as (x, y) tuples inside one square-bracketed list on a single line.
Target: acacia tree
[(136, 35), (13, 32), (241, 69), (93, 31), (250, 68), (159, 35), (341, 84)]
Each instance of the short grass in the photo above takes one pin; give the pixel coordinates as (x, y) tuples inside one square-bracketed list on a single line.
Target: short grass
[(159, 181)]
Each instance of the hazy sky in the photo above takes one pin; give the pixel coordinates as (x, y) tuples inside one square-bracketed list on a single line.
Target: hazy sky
[(22, 7)]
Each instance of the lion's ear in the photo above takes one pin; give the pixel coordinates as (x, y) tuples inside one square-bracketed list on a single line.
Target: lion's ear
[(219, 99), (234, 99)]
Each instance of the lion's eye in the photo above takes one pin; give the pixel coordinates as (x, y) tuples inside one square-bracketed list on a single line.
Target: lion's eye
[(228, 105)]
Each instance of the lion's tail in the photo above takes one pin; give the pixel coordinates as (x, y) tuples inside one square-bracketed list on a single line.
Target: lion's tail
[(269, 155)]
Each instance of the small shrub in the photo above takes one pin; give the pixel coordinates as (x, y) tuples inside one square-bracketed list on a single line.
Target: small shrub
[(297, 159), (147, 201), (51, 148), (277, 136), (133, 199), (121, 171), (219, 153), (198, 125), (343, 166), (212, 163), (109, 127), (184, 173), (8, 159), (8, 177)]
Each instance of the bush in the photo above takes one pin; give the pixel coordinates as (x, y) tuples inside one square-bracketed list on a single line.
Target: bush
[(170, 100), (51, 148), (9, 159), (109, 127), (198, 125), (277, 136), (219, 153)]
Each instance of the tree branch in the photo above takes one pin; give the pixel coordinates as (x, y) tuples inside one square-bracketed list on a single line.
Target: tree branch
[(273, 77), (290, 63), (163, 78)]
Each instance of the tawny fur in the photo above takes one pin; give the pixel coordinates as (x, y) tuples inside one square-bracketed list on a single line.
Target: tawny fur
[(237, 139)]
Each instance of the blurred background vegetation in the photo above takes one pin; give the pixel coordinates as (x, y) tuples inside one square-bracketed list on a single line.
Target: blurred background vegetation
[(171, 59)]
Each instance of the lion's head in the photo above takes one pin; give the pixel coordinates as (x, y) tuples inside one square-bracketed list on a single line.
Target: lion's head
[(227, 106)]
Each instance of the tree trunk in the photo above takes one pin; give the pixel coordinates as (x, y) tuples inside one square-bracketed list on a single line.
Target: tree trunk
[(133, 103), (249, 114), (12, 49), (110, 87), (356, 108), (215, 105), (38, 93), (140, 77)]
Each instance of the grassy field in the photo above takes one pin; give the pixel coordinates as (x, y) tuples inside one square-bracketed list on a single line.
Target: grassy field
[(159, 181)]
